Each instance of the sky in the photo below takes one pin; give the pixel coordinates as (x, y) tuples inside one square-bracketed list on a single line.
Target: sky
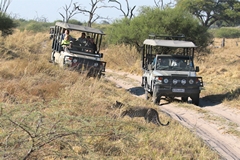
[(49, 9)]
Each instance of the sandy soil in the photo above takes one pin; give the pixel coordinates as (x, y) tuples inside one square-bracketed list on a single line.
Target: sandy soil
[(213, 124)]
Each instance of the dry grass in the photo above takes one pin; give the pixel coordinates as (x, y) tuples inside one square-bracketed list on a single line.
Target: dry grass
[(50, 113), (124, 58), (220, 71)]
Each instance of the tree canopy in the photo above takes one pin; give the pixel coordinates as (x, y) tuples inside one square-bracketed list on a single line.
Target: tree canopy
[(213, 11), (170, 21), (6, 25)]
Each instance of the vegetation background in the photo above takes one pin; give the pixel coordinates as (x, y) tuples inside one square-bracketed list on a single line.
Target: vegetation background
[(50, 113)]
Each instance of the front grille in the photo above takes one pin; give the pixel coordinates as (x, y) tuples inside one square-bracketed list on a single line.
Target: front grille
[(177, 81)]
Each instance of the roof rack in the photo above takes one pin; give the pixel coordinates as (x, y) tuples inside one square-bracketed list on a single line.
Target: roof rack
[(178, 37), (79, 28)]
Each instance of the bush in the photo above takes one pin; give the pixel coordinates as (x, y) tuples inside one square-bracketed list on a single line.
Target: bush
[(226, 32), (6, 25), (159, 22), (37, 26)]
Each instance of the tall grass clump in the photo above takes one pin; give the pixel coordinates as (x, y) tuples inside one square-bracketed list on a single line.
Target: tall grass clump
[(50, 113), (123, 57)]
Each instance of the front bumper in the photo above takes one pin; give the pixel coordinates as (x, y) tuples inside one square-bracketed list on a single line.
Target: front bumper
[(76, 63), (177, 86), (176, 91)]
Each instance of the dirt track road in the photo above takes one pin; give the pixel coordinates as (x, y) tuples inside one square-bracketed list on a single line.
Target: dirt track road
[(214, 123)]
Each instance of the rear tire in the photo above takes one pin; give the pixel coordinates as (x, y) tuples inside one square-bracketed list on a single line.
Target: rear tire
[(184, 99), (170, 98)]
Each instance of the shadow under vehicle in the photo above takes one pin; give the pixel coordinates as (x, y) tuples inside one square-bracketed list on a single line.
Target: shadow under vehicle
[(168, 69), (78, 56)]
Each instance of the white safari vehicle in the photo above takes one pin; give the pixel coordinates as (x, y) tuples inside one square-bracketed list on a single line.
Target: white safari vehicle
[(78, 56), (168, 69)]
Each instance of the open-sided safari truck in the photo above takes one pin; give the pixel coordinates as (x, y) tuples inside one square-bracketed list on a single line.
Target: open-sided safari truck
[(168, 69), (78, 56)]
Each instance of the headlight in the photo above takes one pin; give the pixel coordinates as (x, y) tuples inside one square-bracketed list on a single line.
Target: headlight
[(175, 81), (95, 64), (191, 81), (183, 81), (159, 78), (74, 60), (165, 80)]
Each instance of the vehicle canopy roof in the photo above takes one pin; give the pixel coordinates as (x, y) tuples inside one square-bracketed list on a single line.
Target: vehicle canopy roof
[(169, 43), (78, 28)]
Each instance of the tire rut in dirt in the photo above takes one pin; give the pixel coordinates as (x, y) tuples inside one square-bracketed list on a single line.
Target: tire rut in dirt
[(224, 150)]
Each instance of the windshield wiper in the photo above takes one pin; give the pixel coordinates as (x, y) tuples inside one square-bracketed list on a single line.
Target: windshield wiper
[(176, 68), (163, 68)]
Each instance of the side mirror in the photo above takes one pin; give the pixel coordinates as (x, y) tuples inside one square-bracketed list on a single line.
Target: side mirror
[(197, 69)]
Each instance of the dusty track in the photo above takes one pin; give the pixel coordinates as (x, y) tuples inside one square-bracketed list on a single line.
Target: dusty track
[(212, 122)]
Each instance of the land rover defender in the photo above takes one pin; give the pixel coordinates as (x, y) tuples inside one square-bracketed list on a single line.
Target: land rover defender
[(168, 69), (78, 55)]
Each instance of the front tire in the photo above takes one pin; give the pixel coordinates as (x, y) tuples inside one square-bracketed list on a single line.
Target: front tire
[(146, 96), (52, 59), (99, 75), (195, 99), (155, 98)]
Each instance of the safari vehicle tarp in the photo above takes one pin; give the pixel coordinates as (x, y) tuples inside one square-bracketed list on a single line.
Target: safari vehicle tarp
[(78, 56)]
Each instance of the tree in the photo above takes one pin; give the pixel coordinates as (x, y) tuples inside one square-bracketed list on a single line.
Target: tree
[(92, 11), (4, 4), (211, 11), (6, 23), (160, 4), (171, 21), (69, 13), (128, 13), (74, 21)]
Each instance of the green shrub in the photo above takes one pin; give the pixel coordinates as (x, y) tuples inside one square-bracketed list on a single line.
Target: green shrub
[(159, 22), (6, 25), (226, 32)]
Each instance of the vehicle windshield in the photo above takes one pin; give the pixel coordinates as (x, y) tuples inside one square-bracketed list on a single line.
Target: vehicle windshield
[(174, 63)]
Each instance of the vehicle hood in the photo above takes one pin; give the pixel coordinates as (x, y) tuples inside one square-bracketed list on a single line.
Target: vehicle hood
[(175, 73)]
